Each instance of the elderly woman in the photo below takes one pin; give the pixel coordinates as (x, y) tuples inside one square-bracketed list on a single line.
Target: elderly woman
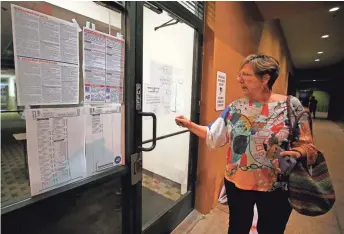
[(255, 127)]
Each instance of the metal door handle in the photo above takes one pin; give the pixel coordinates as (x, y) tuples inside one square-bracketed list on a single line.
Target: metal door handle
[(142, 114)]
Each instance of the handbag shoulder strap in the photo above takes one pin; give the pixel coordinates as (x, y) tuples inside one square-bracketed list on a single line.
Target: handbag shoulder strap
[(310, 121), (293, 126)]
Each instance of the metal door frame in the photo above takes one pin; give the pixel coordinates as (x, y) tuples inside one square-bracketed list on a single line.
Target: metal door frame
[(132, 189)]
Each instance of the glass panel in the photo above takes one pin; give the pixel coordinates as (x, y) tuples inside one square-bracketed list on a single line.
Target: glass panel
[(167, 71), (165, 175), (167, 88), (15, 184)]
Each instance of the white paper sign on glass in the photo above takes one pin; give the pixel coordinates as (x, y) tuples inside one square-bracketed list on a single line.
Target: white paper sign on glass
[(162, 77), (151, 98), (220, 91), (103, 67), (56, 147), (161, 74), (103, 138), (46, 55)]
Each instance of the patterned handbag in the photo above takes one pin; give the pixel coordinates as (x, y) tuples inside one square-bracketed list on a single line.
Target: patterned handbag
[(311, 192)]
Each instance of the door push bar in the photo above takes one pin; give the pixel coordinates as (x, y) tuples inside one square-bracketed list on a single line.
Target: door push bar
[(149, 114)]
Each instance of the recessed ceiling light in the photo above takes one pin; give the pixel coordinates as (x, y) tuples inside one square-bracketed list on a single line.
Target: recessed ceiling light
[(325, 36), (334, 9), (320, 52), (314, 80), (317, 60)]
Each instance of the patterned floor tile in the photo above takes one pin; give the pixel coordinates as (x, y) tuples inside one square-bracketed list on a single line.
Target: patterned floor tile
[(14, 184), (162, 186)]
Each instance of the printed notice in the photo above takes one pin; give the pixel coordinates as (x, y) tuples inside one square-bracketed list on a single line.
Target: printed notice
[(177, 97), (47, 82), (103, 138), (46, 58), (161, 76), (56, 147), (103, 67), (151, 98), (166, 96), (174, 95), (220, 91)]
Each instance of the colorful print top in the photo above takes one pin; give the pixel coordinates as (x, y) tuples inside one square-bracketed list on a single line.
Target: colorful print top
[(254, 132)]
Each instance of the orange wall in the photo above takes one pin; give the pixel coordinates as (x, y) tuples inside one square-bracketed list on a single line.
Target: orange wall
[(230, 35)]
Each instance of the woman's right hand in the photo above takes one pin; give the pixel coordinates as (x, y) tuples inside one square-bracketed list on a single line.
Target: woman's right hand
[(182, 121), (200, 131)]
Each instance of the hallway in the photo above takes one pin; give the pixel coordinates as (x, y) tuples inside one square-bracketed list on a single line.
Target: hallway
[(329, 138)]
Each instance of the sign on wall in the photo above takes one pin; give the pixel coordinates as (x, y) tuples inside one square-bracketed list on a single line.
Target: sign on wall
[(220, 91)]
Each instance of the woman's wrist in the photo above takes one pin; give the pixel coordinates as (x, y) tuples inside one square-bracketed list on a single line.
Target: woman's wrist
[(300, 154), (189, 124)]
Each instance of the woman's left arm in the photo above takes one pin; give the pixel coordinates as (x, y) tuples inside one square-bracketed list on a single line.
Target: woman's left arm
[(303, 145)]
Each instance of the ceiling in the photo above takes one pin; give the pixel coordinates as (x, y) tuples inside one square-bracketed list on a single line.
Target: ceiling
[(303, 24)]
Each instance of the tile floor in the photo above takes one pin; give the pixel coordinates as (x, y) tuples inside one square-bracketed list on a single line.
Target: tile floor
[(14, 184), (329, 138), (162, 186)]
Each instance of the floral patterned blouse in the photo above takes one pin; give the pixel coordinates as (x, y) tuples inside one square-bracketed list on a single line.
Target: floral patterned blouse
[(254, 132)]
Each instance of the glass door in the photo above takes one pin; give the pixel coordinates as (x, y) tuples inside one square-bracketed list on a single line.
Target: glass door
[(163, 70), (168, 47)]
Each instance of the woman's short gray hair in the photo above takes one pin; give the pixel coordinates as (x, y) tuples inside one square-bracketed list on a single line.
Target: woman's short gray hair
[(262, 65)]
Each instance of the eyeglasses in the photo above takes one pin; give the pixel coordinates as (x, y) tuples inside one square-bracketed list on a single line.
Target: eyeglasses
[(243, 75)]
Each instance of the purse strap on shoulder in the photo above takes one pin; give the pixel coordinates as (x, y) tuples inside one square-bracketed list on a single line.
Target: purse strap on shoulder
[(310, 121), (293, 126)]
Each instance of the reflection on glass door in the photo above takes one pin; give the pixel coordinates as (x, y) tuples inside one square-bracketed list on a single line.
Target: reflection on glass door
[(167, 89)]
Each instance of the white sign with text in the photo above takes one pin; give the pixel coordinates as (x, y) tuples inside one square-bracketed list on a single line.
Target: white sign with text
[(220, 91)]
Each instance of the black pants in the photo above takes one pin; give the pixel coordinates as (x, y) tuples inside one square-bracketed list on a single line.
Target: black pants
[(273, 210), (313, 111)]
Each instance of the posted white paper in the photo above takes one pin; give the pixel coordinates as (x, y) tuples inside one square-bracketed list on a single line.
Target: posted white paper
[(166, 96), (103, 67), (180, 101), (103, 138), (151, 98), (174, 95), (161, 74), (56, 147), (46, 58), (161, 77), (220, 91), (47, 82)]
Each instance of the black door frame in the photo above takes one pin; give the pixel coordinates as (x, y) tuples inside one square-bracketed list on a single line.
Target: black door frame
[(132, 192)]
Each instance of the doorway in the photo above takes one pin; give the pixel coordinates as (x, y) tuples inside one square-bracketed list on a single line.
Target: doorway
[(166, 59)]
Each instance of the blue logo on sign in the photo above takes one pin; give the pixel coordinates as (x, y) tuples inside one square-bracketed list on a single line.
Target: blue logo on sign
[(118, 159)]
